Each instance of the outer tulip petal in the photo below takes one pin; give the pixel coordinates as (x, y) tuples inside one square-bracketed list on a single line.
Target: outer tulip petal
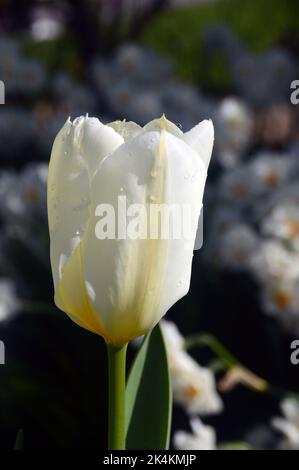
[(68, 185), (134, 282), (201, 139), (68, 199), (72, 296)]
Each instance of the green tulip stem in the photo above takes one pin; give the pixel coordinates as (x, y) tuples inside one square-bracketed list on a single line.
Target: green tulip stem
[(117, 386)]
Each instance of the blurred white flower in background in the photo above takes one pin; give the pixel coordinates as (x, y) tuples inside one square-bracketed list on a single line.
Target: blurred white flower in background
[(281, 299), (273, 262), (203, 437), (289, 424), (129, 80), (24, 194), (237, 186), (174, 341), (283, 223), (255, 228), (236, 246), (9, 303), (46, 24), (193, 386), (234, 126), (270, 170)]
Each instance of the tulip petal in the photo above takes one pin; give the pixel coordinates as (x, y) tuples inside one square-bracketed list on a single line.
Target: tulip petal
[(136, 281), (72, 296), (126, 129), (67, 199), (163, 123), (68, 184), (201, 139), (97, 141)]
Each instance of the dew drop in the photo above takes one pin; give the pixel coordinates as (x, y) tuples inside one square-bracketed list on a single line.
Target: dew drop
[(180, 283), (152, 198), (53, 187), (65, 152), (80, 232), (186, 176), (153, 173)]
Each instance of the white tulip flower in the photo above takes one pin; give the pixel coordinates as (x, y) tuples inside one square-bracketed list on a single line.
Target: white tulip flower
[(115, 285)]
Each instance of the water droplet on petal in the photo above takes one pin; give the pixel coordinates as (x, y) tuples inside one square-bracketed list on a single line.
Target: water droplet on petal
[(80, 231), (186, 176)]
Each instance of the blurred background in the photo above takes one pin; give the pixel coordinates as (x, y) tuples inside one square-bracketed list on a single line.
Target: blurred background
[(229, 60)]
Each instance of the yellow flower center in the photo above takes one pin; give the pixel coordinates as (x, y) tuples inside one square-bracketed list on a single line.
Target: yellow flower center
[(191, 392), (282, 299)]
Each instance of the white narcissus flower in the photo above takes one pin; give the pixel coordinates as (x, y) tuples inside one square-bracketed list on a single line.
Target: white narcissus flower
[(193, 386), (273, 262), (203, 437), (283, 222), (120, 288), (289, 424)]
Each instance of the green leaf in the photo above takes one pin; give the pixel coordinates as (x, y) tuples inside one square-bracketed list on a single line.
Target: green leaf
[(19, 443), (235, 446), (149, 396)]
